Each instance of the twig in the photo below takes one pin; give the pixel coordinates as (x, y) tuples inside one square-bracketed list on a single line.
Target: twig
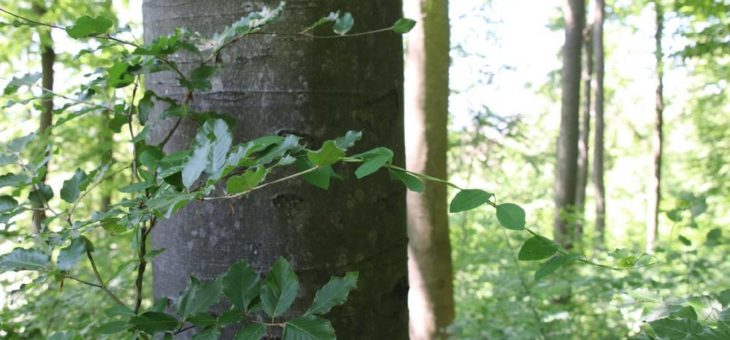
[(283, 179), (102, 285)]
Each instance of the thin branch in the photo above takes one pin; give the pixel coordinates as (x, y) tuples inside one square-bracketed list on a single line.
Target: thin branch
[(31, 20), (102, 285), (283, 179)]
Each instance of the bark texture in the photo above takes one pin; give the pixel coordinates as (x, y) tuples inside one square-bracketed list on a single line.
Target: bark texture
[(48, 59), (655, 181), (598, 106), (567, 150), (583, 140), (431, 298), (318, 89)]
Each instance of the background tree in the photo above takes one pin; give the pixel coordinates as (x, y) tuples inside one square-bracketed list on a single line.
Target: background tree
[(598, 113), (584, 137), (315, 88), (430, 298), (655, 181), (567, 154)]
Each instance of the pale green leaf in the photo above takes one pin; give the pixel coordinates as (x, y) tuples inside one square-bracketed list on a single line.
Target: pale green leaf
[(24, 259), (87, 26)]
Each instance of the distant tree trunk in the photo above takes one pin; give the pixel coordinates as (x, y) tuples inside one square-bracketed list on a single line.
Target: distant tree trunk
[(567, 155), (106, 139), (598, 144), (48, 58), (430, 299), (318, 89), (585, 131), (655, 193)]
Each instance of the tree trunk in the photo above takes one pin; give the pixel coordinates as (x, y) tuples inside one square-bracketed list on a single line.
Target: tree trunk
[(655, 194), (567, 155), (598, 145), (318, 89), (48, 58), (431, 298), (585, 131)]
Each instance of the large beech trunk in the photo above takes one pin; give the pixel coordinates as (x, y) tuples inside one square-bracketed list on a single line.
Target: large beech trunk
[(318, 89)]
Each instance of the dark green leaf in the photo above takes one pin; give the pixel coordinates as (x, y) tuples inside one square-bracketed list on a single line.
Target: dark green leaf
[(677, 329), (42, 196), (87, 26), (241, 285), (319, 178), (230, 317), (24, 259), (403, 25), (344, 23), (328, 154), (537, 248), (685, 240), (554, 264), (413, 183), (373, 160), (7, 203), (198, 297), (308, 328), (279, 289), (333, 293), (469, 199), (675, 215), (113, 327), (685, 312), (26, 80), (714, 236), (154, 322), (200, 77), (246, 181), (203, 319), (118, 310), (724, 297), (72, 187), (13, 180), (511, 216), (118, 75), (69, 256), (253, 331), (210, 334)]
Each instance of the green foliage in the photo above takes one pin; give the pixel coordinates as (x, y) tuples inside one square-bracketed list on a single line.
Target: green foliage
[(469, 199), (403, 25), (87, 26)]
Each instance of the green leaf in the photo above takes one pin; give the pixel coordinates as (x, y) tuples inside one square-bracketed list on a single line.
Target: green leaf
[(26, 80), (308, 328), (41, 196), (685, 312), (241, 285), (469, 199), (18, 144), (333, 293), (7, 159), (348, 140), (118, 310), (511, 216), (154, 322), (675, 215), (113, 327), (279, 289), (685, 240), (537, 248), (118, 75), (253, 331), (714, 237), (209, 334), (197, 297), (328, 154), (403, 25), (246, 181), (72, 187), (7, 203), (724, 297), (200, 77), (553, 264), (677, 329), (87, 26), (344, 23), (319, 178), (197, 162), (24, 259), (69, 256), (203, 319), (373, 160), (413, 183)]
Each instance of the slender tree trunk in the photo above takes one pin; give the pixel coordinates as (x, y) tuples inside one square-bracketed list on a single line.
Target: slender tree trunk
[(48, 58), (567, 155), (431, 298), (585, 131), (598, 144), (318, 89), (655, 192), (106, 138)]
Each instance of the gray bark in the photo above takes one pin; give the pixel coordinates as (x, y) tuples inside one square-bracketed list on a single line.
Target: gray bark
[(48, 59), (585, 131), (598, 144), (567, 150), (431, 298), (655, 181), (318, 89)]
